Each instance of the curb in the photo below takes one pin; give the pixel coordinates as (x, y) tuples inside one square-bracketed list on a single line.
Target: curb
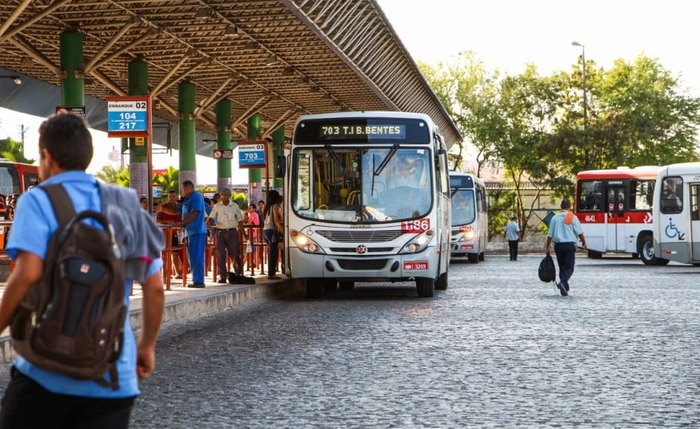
[(190, 304)]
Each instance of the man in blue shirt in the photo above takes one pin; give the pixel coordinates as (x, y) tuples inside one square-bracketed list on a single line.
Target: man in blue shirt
[(565, 230), (512, 231), (193, 216), (38, 398)]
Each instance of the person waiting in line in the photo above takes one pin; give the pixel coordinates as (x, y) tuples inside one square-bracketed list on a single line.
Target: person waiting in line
[(272, 230), (192, 211), (565, 230), (164, 218), (252, 219), (228, 218), (144, 203)]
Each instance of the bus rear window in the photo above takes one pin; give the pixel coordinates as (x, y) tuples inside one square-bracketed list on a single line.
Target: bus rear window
[(9, 181), (590, 197)]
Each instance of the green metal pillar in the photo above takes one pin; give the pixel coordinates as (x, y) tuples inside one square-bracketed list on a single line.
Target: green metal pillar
[(277, 143), (138, 164), (223, 142), (186, 105), (72, 62), (255, 191)]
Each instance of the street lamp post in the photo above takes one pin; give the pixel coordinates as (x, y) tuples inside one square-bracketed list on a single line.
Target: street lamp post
[(585, 95)]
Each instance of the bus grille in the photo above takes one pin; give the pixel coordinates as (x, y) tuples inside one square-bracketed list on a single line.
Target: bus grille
[(360, 236), (362, 264)]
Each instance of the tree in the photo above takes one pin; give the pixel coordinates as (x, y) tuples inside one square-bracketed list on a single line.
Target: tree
[(114, 176), (169, 180), (14, 151), (469, 93)]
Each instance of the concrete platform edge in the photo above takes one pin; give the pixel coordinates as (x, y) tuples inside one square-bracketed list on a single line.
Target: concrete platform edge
[(199, 303)]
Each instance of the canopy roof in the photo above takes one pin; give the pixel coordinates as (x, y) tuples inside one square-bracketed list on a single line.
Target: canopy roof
[(279, 58)]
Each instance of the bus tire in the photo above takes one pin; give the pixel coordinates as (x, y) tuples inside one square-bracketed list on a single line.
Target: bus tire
[(330, 284), (441, 283), (646, 251), (482, 256), (473, 258), (314, 288), (346, 285), (425, 287), (594, 255)]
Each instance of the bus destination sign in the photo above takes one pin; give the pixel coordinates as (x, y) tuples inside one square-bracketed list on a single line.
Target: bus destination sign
[(128, 116), (330, 132)]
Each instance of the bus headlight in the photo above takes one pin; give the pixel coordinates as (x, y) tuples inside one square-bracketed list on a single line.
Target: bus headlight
[(304, 243), (418, 243), (469, 235)]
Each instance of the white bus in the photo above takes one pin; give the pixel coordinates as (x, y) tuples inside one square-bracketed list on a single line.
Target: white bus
[(367, 200), (677, 213), (470, 218)]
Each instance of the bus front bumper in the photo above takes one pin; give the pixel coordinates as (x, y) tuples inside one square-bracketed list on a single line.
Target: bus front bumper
[(375, 267)]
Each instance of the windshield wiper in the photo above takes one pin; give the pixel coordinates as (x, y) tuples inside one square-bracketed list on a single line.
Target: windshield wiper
[(336, 159), (385, 161)]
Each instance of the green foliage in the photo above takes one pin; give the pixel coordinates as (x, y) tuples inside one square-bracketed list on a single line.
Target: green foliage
[(14, 151), (240, 199), (114, 176), (501, 204), (169, 180)]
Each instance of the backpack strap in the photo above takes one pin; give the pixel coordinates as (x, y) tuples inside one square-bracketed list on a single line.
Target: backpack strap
[(61, 203)]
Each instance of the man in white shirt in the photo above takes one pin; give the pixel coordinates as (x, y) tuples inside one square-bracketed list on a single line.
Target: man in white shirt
[(512, 231), (227, 217)]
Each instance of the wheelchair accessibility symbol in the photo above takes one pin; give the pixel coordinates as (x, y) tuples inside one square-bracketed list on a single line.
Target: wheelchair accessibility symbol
[(672, 231)]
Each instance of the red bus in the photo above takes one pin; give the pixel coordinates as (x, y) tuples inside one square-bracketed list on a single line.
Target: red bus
[(614, 207)]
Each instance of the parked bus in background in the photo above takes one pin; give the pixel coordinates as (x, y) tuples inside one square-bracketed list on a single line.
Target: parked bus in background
[(614, 207), (367, 199), (677, 213), (470, 218)]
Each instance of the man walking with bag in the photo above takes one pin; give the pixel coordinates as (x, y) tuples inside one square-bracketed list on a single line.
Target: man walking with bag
[(41, 398), (565, 230)]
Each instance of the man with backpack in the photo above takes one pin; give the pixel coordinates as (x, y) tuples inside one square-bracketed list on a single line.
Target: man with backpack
[(565, 230), (68, 392)]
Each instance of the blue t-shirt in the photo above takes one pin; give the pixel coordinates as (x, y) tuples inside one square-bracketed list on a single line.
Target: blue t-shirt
[(31, 231), (560, 232), (194, 201)]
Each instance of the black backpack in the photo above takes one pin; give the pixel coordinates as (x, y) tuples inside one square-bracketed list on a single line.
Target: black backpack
[(547, 271), (72, 320)]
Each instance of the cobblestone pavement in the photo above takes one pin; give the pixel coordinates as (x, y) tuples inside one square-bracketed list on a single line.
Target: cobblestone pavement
[(497, 349)]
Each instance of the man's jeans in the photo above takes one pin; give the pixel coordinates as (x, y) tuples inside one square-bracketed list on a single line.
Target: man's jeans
[(566, 257)]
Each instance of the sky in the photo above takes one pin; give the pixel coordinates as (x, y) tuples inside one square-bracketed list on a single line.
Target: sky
[(505, 35)]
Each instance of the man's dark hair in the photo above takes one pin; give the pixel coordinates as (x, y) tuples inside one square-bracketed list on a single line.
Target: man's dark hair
[(171, 192), (565, 204), (188, 183), (66, 137)]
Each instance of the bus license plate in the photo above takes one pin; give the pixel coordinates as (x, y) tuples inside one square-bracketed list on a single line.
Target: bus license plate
[(415, 265)]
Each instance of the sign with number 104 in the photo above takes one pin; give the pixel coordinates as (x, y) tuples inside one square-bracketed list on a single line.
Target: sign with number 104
[(251, 155), (128, 116)]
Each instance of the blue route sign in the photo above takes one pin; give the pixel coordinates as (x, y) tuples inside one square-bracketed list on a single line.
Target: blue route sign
[(251, 155), (128, 116)]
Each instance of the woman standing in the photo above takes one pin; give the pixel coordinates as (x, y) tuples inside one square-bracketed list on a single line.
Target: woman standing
[(272, 230)]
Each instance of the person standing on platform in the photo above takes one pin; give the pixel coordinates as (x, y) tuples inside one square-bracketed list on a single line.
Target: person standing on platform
[(193, 212), (227, 217), (512, 231)]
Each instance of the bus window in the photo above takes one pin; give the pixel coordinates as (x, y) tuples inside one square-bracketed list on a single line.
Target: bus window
[(590, 198), (672, 195), (642, 194), (694, 206), (9, 181)]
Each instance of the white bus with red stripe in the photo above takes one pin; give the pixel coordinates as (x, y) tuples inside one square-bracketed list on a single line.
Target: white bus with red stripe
[(615, 210)]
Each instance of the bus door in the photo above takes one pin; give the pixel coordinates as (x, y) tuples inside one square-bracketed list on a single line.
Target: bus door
[(616, 218), (695, 221)]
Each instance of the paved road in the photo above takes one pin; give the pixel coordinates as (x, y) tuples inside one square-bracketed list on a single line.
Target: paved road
[(497, 349)]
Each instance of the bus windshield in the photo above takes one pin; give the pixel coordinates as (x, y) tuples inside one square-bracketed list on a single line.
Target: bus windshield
[(365, 185), (463, 210)]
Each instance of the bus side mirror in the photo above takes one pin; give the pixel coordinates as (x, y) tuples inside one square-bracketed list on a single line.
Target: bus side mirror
[(280, 166)]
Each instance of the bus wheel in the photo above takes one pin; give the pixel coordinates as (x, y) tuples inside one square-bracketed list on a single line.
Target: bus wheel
[(473, 258), (330, 284), (346, 285), (314, 288), (441, 283), (482, 256), (425, 287), (646, 252), (594, 255)]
